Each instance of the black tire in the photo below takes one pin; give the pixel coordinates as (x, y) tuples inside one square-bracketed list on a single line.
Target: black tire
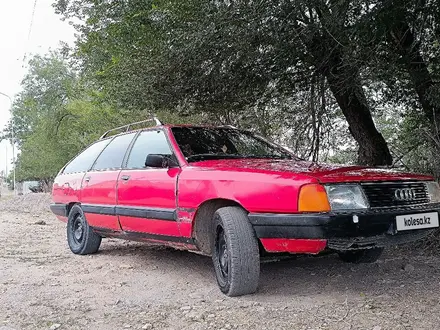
[(80, 236), (361, 256), (235, 252)]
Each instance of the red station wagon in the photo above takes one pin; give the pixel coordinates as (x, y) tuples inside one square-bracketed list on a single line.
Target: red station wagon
[(230, 194)]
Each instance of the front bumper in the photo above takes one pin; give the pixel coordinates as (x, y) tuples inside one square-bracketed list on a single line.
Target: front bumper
[(341, 230)]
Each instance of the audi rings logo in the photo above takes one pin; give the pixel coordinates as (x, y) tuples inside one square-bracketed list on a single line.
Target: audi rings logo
[(405, 194)]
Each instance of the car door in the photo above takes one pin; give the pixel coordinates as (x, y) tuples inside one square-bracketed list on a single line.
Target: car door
[(146, 195), (98, 197)]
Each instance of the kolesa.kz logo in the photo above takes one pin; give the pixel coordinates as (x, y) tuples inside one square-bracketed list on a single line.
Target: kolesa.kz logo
[(417, 221)]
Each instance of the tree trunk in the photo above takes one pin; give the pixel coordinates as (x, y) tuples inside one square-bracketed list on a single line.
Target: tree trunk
[(344, 82), (343, 77), (404, 42), (46, 185)]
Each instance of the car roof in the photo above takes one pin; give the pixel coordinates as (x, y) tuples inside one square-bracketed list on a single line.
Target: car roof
[(198, 126), (169, 126)]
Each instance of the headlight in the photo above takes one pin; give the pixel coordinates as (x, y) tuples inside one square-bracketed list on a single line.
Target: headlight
[(346, 197), (433, 191)]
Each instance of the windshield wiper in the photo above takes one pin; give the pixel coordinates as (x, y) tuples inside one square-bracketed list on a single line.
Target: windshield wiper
[(233, 156), (211, 156), (265, 157)]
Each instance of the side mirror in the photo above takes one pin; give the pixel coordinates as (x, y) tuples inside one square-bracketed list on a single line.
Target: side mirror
[(159, 161)]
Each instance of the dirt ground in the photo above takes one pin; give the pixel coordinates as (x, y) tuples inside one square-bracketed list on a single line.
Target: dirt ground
[(134, 286)]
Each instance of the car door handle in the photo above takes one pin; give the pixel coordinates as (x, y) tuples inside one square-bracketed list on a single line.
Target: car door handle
[(87, 179), (125, 177)]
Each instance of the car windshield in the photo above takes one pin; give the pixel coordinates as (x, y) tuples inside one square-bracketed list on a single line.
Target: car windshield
[(200, 143)]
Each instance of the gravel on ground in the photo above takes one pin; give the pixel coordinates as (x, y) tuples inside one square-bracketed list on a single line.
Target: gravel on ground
[(130, 285)]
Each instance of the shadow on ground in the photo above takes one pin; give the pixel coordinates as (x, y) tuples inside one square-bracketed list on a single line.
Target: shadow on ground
[(298, 277)]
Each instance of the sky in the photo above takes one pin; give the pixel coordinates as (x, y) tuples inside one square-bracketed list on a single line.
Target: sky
[(18, 39)]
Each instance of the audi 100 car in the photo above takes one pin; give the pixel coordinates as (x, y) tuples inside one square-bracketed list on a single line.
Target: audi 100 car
[(234, 196)]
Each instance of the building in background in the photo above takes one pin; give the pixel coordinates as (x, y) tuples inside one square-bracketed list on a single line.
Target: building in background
[(27, 187)]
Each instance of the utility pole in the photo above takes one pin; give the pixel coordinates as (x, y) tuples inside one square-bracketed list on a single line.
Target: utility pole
[(6, 173), (12, 139)]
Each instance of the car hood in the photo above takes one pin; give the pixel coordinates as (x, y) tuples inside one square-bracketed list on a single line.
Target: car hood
[(325, 173)]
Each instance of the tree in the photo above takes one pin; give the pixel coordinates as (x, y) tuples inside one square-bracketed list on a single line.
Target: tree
[(46, 87), (410, 29), (403, 64), (56, 115), (227, 58)]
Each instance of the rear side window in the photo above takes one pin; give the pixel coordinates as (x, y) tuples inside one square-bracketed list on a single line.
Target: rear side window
[(113, 154), (148, 142), (84, 160)]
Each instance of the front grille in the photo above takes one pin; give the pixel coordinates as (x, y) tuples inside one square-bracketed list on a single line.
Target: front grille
[(382, 194)]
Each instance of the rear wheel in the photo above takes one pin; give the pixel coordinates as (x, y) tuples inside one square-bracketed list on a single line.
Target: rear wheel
[(235, 252), (361, 256), (80, 236)]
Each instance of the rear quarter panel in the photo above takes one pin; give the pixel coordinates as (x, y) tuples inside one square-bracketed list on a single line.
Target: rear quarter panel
[(67, 189)]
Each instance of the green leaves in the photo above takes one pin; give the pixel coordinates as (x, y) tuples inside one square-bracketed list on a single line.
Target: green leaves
[(57, 115), (257, 65)]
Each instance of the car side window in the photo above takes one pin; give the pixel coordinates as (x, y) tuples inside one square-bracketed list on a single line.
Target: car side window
[(113, 154), (85, 159), (148, 142)]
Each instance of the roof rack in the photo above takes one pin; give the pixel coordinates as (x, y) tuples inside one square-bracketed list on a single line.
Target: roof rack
[(126, 128)]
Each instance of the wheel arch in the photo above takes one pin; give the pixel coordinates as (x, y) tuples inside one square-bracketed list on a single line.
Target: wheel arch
[(202, 223), (69, 207)]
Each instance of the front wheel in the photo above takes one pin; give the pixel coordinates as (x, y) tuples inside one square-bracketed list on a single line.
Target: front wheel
[(361, 256), (235, 252), (80, 237)]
